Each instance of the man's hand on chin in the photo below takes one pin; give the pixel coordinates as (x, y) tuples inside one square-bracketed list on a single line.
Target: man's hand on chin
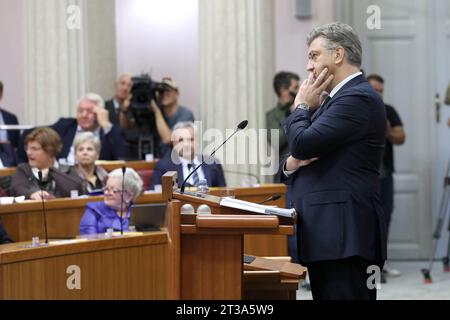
[(293, 164)]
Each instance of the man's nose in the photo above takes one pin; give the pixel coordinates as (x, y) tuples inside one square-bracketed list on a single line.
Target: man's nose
[(309, 66)]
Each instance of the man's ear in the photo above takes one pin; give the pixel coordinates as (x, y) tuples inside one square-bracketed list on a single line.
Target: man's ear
[(339, 55)]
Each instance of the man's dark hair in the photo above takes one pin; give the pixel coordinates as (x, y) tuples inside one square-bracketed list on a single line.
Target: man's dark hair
[(375, 77), (283, 80), (1, 87)]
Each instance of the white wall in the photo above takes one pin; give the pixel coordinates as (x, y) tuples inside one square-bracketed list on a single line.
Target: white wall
[(11, 55), (160, 38), (290, 33)]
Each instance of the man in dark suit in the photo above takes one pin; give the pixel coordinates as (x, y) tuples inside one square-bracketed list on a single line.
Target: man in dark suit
[(183, 158), (336, 144), (91, 116), (7, 155), (119, 107), (7, 117)]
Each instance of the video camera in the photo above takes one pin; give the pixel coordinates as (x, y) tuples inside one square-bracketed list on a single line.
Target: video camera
[(144, 139), (144, 90)]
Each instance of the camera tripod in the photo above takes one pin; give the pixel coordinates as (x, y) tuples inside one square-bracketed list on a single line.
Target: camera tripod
[(437, 233)]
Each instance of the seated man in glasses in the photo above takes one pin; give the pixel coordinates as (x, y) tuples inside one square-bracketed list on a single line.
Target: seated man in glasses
[(183, 158), (112, 212)]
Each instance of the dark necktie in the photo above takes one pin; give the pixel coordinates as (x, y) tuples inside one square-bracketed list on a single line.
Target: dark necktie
[(195, 175)]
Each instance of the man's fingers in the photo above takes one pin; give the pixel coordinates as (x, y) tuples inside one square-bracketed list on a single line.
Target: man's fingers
[(304, 84), (326, 83), (320, 78)]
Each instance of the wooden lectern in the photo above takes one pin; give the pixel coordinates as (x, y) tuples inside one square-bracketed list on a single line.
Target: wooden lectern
[(206, 251)]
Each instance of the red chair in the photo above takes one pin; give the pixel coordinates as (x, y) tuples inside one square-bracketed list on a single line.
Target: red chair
[(146, 176)]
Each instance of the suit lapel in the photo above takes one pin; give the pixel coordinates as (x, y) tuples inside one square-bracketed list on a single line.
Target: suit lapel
[(321, 109), (207, 174), (327, 104)]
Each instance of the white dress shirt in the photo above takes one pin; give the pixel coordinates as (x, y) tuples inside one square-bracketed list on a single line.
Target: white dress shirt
[(187, 171), (3, 133)]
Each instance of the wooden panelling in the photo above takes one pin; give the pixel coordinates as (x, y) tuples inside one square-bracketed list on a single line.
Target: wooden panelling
[(211, 267), (122, 268)]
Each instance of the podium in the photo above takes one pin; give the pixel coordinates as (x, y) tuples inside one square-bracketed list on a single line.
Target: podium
[(206, 251)]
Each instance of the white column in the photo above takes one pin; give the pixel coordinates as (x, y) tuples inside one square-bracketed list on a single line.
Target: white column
[(236, 71), (55, 62)]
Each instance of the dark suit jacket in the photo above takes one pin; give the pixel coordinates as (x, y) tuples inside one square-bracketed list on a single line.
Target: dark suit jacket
[(4, 238), (113, 116), (24, 183), (7, 155), (113, 143), (337, 196), (213, 171), (13, 135)]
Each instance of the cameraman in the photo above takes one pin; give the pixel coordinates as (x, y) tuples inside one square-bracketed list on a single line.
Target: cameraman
[(119, 107), (169, 114)]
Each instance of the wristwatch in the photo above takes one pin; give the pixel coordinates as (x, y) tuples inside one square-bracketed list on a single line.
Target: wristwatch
[(302, 106)]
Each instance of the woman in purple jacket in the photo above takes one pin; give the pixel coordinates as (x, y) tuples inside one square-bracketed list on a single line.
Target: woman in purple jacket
[(102, 215)]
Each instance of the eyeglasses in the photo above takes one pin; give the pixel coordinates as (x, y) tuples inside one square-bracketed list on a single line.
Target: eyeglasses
[(32, 149), (112, 190)]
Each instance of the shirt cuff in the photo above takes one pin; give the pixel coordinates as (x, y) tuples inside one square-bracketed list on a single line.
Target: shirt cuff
[(107, 130), (287, 173)]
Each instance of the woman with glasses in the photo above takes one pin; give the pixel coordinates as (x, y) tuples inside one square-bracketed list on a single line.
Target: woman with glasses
[(87, 150), (112, 212), (42, 171)]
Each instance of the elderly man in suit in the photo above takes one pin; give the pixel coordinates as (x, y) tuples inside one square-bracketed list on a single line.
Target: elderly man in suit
[(336, 140), (183, 158), (91, 117)]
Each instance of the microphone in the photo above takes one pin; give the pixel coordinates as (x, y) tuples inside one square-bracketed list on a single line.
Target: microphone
[(121, 199), (275, 197), (43, 206), (240, 126)]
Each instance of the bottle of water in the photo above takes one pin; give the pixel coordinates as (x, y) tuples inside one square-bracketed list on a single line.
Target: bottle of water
[(202, 186)]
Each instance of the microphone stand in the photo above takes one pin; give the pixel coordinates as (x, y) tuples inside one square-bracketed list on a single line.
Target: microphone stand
[(121, 200), (43, 206)]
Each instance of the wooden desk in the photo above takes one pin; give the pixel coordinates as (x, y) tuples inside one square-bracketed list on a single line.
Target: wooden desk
[(107, 165), (136, 165), (130, 267), (6, 172), (24, 221)]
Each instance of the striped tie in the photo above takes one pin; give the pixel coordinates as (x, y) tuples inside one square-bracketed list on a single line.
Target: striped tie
[(195, 177)]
